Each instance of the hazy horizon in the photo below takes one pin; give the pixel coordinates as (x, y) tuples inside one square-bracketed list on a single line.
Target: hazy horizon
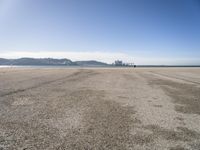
[(156, 32), (99, 56)]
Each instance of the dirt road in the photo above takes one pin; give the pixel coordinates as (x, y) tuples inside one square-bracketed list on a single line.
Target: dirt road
[(143, 108)]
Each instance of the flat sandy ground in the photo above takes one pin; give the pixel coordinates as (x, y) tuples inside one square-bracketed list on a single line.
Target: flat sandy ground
[(113, 109)]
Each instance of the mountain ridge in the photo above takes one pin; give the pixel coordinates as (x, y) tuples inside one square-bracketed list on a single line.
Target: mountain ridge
[(49, 61)]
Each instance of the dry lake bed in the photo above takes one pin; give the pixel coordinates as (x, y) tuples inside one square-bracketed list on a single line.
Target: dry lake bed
[(105, 108)]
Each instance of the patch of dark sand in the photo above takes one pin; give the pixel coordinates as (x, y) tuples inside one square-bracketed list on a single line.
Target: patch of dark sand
[(178, 148), (186, 96), (180, 134), (157, 105), (107, 125), (30, 135)]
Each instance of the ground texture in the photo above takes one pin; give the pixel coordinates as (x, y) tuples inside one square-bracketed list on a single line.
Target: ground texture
[(139, 109)]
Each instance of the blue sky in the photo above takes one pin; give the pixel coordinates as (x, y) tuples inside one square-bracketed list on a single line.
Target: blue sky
[(144, 31)]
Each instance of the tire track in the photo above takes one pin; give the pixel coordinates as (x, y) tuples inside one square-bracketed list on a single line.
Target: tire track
[(179, 78), (82, 74)]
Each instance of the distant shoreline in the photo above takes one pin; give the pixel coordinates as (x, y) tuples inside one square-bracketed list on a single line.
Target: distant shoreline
[(165, 66), (108, 66)]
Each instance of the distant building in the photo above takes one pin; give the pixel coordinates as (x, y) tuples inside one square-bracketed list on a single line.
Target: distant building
[(118, 63)]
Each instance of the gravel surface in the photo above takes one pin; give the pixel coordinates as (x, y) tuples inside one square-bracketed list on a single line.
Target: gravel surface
[(100, 108)]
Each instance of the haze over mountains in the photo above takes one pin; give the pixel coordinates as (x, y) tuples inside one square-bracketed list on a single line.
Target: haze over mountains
[(50, 61)]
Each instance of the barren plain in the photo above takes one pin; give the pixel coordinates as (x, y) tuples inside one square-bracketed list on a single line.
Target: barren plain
[(100, 108)]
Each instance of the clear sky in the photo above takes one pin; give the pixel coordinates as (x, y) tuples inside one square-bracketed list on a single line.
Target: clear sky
[(143, 31)]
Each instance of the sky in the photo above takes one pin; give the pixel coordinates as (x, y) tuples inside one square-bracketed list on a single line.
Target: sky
[(156, 32)]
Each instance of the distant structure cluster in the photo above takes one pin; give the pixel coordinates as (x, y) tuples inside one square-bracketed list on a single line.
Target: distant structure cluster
[(120, 63)]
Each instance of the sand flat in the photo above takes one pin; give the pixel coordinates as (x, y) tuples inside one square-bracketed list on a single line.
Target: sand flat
[(100, 108)]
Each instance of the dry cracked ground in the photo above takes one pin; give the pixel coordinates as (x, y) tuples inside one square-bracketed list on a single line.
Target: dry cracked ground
[(101, 109)]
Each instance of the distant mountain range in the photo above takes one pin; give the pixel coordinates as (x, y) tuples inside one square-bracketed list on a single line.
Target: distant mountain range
[(49, 61)]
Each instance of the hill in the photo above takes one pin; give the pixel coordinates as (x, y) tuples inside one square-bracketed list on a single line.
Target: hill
[(49, 61), (90, 63)]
